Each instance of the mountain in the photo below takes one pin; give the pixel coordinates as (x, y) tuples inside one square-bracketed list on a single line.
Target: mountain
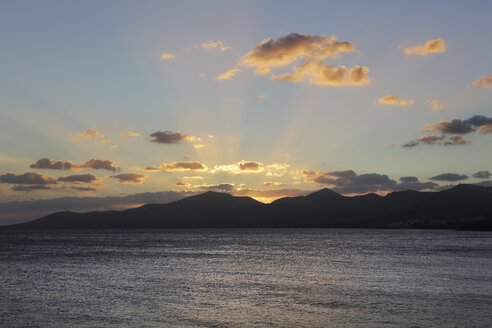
[(458, 207)]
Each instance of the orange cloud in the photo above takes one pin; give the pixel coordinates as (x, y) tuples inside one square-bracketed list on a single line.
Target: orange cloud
[(483, 82), (90, 134), (432, 46), (435, 105), (293, 46), (395, 100), (228, 75), (318, 73), (131, 134), (167, 56), (208, 45)]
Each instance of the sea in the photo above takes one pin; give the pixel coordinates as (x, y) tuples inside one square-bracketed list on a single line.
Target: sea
[(246, 278)]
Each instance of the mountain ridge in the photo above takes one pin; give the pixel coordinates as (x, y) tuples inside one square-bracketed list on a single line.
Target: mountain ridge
[(453, 208)]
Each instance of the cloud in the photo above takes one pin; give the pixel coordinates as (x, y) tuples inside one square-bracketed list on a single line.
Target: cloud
[(182, 184), (482, 175), (457, 126), (483, 82), (90, 134), (432, 46), (178, 166), (395, 100), (454, 140), (28, 178), (348, 182), (454, 126), (318, 73), (131, 134), (313, 50), (477, 123), (485, 128), (129, 178), (167, 56), (341, 174), (101, 164), (83, 188), (293, 46), (197, 146), (274, 184), (228, 75), (457, 141), (223, 187), (409, 179), (208, 45), (435, 105), (96, 164), (411, 144), (81, 178), (46, 163), (449, 177), (240, 167), (168, 137), (28, 188), (114, 147), (432, 139)]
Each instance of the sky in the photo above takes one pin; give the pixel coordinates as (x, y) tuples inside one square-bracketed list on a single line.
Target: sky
[(113, 104)]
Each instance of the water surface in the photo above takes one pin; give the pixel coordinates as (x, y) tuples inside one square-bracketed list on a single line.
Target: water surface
[(246, 278)]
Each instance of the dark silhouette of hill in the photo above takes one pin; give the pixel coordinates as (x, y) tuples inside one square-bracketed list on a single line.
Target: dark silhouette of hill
[(460, 207)]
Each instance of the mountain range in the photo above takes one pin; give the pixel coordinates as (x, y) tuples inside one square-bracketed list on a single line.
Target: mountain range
[(461, 207)]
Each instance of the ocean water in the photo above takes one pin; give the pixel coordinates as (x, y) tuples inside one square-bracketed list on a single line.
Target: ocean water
[(246, 278)]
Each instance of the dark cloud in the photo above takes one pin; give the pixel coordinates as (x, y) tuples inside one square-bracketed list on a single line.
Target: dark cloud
[(129, 178), (250, 166), (96, 164), (29, 178), (83, 188), (46, 163), (487, 183), (409, 179), (178, 166), (454, 140), (101, 164), (481, 175), (341, 174), (223, 187), (411, 144), (479, 120), (168, 137), (457, 141), (84, 178), (455, 126), (370, 182), (449, 177), (28, 188)]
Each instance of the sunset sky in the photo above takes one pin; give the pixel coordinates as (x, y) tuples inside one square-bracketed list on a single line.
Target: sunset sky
[(259, 98)]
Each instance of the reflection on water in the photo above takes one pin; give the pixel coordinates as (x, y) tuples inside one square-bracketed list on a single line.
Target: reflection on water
[(246, 278)]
